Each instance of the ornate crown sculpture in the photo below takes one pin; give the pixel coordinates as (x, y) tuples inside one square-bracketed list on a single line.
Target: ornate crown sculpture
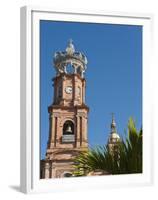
[(76, 59)]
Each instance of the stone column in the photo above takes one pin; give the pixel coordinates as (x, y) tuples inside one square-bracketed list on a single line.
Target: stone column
[(84, 131), (75, 69), (50, 126), (52, 131), (53, 172), (83, 91), (63, 88), (78, 131), (57, 128), (47, 170), (74, 90)]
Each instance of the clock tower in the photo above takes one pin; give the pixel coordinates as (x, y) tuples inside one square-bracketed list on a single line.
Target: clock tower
[(68, 114)]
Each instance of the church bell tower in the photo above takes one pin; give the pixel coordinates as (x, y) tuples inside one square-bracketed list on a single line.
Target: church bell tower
[(114, 138), (68, 114)]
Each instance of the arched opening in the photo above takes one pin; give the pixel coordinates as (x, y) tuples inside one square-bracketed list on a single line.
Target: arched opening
[(68, 132), (67, 174), (69, 69), (68, 128)]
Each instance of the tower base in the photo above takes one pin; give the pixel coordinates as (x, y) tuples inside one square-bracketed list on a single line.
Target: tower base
[(59, 163)]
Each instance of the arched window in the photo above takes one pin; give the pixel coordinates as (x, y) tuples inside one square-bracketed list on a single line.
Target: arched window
[(68, 128), (66, 174), (69, 69), (68, 132)]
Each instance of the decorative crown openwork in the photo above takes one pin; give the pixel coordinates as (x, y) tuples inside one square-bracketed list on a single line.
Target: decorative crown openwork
[(63, 59)]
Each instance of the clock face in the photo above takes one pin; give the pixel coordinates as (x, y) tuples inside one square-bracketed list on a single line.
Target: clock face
[(68, 90)]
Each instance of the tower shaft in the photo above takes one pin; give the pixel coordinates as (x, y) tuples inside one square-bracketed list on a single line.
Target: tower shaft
[(68, 116)]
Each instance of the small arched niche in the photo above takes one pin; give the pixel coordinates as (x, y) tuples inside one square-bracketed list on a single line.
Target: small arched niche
[(68, 128), (69, 68), (68, 132), (66, 174)]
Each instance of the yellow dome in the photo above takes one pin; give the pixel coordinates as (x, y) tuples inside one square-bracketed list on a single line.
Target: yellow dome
[(115, 136)]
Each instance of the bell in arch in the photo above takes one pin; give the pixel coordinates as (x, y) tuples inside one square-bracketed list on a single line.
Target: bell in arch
[(68, 130)]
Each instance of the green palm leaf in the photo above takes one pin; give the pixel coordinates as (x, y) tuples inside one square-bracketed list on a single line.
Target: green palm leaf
[(128, 158)]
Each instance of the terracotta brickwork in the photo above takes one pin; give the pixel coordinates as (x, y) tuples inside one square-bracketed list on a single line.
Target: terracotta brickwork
[(68, 121)]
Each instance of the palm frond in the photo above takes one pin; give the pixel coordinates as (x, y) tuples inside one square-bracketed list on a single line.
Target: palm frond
[(128, 158)]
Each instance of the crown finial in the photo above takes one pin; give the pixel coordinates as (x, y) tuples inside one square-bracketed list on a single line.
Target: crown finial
[(70, 59), (70, 48)]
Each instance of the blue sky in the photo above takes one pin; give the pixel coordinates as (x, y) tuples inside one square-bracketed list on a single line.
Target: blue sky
[(114, 74)]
